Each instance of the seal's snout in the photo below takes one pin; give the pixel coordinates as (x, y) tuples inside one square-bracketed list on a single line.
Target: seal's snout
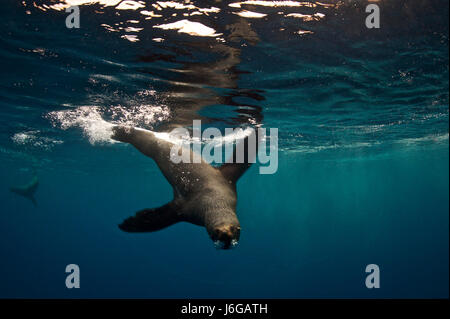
[(226, 236)]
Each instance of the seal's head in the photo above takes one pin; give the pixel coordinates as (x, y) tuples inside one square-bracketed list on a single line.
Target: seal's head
[(225, 236)]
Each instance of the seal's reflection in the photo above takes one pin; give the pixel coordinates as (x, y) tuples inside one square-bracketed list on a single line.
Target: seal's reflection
[(194, 84)]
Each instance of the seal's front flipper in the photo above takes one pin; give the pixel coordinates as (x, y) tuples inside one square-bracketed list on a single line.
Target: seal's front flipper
[(152, 219)]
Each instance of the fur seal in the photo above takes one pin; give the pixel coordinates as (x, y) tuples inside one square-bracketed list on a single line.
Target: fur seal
[(203, 195), (27, 190)]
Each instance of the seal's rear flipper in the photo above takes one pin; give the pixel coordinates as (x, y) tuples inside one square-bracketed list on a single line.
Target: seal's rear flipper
[(28, 190), (151, 219), (122, 133), (234, 169)]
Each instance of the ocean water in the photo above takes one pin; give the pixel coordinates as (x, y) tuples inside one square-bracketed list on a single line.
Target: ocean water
[(363, 158)]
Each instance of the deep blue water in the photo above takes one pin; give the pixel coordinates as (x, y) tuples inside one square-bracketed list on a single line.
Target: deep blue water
[(363, 174)]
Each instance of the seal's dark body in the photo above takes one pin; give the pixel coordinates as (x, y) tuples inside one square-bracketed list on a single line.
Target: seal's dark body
[(203, 195)]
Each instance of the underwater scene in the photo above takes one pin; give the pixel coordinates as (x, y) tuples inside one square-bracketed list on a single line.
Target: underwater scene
[(344, 195)]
